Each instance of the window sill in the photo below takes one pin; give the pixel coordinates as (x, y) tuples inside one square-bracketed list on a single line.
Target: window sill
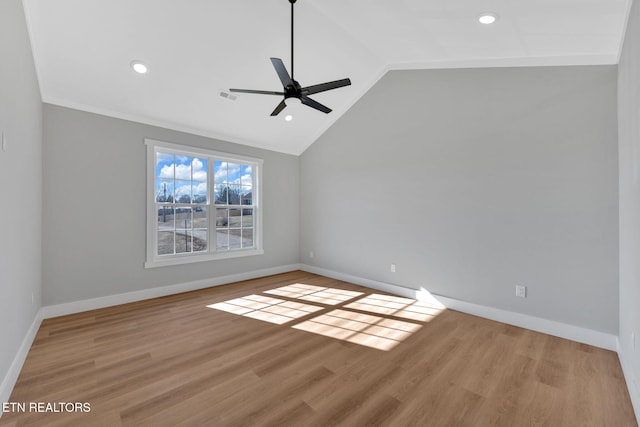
[(188, 259)]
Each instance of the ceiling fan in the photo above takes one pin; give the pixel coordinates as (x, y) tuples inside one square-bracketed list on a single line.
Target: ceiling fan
[(292, 88)]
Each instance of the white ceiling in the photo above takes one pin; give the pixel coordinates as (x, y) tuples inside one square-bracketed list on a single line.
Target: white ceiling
[(195, 48)]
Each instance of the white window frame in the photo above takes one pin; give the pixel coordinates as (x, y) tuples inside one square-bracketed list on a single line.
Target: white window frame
[(152, 257)]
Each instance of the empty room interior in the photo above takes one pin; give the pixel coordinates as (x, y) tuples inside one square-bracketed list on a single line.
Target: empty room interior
[(320, 212)]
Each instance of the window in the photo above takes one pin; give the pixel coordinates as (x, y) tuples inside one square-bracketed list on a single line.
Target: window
[(201, 205)]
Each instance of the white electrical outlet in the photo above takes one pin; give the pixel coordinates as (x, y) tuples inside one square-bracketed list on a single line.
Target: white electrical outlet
[(393, 268), (521, 291), (311, 254)]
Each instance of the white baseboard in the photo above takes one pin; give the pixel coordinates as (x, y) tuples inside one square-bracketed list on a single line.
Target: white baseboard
[(11, 377), (550, 327), (632, 382), (111, 300), (562, 330)]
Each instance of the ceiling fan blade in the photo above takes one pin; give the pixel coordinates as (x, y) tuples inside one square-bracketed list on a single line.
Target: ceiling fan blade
[(279, 108), (259, 92), (314, 104), (310, 90), (282, 72)]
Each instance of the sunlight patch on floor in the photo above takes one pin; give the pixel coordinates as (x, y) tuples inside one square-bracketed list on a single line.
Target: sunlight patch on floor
[(397, 306), (272, 310), (372, 320), (364, 329), (323, 295)]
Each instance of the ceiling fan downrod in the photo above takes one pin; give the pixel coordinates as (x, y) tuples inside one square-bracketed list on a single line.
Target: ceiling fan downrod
[(292, 3)]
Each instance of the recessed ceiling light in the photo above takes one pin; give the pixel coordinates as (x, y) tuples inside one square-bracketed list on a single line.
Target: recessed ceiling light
[(139, 67), (288, 117), (488, 18)]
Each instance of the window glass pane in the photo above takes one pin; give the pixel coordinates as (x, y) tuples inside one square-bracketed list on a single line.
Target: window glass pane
[(165, 230), (222, 239), (200, 223), (183, 241), (235, 219), (199, 240), (183, 167), (165, 218), (164, 165), (165, 242), (219, 172), (200, 218), (183, 191), (199, 169), (247, 195), (247, 175), (222, 217), (199, 192), (164, 191), (234, 194), (220, 194), (183, 218), (235, 241), (233, 173), (183, 229), (247, 238), (247, 218)]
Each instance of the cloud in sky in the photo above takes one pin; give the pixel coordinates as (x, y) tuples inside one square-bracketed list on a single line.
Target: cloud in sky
[(246, 180), (233, 173), (199, 170), (183, 170)]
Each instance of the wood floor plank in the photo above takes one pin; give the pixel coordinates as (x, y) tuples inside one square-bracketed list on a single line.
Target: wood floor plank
[(233, 355)]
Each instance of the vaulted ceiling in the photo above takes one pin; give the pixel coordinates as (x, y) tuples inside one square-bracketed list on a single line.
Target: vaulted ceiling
[(197, 48)]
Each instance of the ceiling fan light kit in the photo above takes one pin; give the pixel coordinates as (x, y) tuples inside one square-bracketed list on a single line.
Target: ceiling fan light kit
[(291, 88)]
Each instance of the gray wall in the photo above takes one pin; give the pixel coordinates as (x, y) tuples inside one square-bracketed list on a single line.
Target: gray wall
[(473, 181), (94, 208), (629, 142), (20, 184)]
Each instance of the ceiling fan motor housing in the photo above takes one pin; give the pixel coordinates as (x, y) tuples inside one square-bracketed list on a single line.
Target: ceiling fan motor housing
[(293, 91)]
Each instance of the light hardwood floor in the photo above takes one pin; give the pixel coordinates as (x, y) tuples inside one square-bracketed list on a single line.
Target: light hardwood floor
[(272, 352)]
